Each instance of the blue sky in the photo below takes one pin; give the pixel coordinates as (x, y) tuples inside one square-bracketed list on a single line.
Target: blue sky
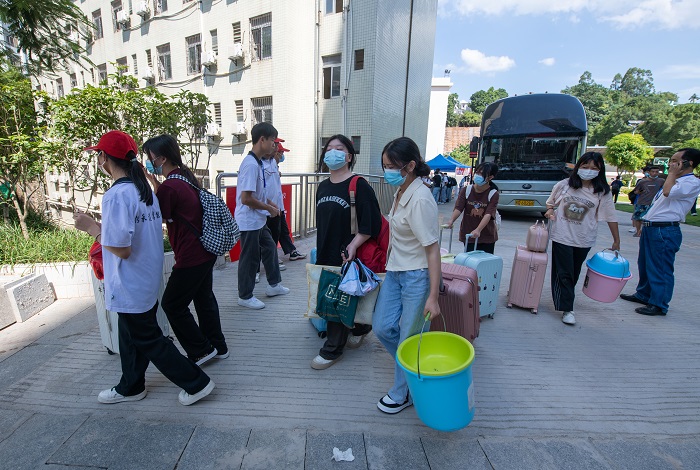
[(543, 45)]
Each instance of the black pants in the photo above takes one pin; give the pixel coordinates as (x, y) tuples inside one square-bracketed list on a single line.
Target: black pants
[(280, 232), (566, 269), (187, 285), (615, 194), (487, 247), (337, 337), (254, 245), (141, 341)]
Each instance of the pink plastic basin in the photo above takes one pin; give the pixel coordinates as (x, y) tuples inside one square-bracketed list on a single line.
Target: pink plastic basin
[(603, 288)]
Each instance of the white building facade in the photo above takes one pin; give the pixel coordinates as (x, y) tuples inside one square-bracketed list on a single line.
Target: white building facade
[(439, 94), (313, 68)]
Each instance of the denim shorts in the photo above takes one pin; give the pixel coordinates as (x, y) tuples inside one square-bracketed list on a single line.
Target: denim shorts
[(639, 212)]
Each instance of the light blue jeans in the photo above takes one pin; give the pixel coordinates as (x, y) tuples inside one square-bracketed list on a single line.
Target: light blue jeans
[(398, 314)]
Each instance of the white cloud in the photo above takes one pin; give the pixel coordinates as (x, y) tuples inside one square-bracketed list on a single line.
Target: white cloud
[(681, 72), (478, 62), (625, 14), (549, 61)]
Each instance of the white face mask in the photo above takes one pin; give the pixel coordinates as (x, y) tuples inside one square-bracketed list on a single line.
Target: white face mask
[(101, 166), (587, 175)]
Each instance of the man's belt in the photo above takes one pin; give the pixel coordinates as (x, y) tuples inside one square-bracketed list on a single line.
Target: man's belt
[(660, 224)]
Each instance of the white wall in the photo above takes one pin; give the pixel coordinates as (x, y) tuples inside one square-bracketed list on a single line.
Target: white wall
[(439, 93)]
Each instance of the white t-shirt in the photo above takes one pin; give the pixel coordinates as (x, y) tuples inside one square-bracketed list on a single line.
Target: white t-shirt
[(250, 178), (578, 212), (679, 201), (413, 226), (274, 182), (131, 285)]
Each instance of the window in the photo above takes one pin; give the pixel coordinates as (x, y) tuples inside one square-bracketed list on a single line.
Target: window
[(240, 117), (262, 109), (149, 59), (82, 77), (102, 72), (92, 75), (59, 88), (136, 65), (261, 35), (356, 141), (334, 6), (73, 81), (237, 32), (97, 22), (122, 66), (159, 6), (331, 76), (194, 54), (217, 114), (214, 40), (359, 59), (165, 66), (116, 8)]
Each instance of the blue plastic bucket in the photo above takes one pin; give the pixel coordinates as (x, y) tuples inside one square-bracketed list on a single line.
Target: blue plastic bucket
[(439, 374)]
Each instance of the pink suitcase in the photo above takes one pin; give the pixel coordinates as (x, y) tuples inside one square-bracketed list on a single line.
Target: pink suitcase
[(459, 302), (527, 278), (537, 237)]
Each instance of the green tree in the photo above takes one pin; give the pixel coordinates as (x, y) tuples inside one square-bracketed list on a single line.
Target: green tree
[(693, 98), (469, 119), (628, 152), (482, 98), (596, 99), (637, 82), (452, 117), (461, 154), (616, 82)]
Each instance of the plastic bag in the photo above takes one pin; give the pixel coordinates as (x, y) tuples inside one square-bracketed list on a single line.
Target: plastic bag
[(95, 258), (358, 279), (331, 303)]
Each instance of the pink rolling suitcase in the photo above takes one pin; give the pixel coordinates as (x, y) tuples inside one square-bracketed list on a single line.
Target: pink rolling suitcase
[(527, 278), (459, 302), (537, 237)]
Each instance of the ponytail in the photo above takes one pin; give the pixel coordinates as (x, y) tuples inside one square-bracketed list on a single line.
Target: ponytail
[(134, 172)]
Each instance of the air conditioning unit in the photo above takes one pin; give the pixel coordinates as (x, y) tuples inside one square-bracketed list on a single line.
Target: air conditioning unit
[(148, 74), (123, 17), (213, 130), (240, 128), (208, 58), (53, 178), (63, 179), (142, 9), (235, 51)]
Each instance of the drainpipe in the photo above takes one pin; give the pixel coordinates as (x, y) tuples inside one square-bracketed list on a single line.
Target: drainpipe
[(317, 39), (408, 66)]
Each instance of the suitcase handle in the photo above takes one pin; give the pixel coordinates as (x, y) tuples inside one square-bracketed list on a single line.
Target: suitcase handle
[(476, 240), (420, 340)]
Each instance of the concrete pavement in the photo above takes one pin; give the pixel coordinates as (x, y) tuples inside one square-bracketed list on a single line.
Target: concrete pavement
[(618, 390)]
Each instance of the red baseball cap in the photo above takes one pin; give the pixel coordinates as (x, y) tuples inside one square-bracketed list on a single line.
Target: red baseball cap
[(281, 149), (116, 144), (278, 140)]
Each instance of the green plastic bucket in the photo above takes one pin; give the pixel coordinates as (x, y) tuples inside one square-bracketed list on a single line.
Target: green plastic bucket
[(438, 371)]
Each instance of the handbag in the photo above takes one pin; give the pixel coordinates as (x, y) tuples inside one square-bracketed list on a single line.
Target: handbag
[(374, 251), (95, 259), (358, 279), (332, 304)]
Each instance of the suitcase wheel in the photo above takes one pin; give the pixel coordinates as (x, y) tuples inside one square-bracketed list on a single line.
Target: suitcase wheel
[(490, 315), (534, 311), (109, 351), (509, 305)]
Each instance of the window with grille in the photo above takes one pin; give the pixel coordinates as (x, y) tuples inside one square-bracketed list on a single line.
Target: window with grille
[(237, 32), (261, 36), (165, 66), (149, 59), (73, 81), (262, 109), (92, 75), (97, 24), (217, 114), (334, 6), (159, 6), (356, 142), (214, 40), (60, 92), (194, 54), (102, 72), (136, 65), (122, 66), (82, 77), (116, 8), (331, 76), (240, 117), (359, 59)]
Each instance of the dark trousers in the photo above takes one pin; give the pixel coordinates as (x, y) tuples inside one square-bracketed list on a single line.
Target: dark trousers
[(256, 244), (657, 255), (141, 341), (615, 194), (280, 232), (337, 337), (566, 269), (187, 285), (487, 247)]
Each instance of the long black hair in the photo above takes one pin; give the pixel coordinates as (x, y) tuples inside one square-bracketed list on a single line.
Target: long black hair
[(600, 183), (403, 151), (134, 172), (322, 168), (166, 146)]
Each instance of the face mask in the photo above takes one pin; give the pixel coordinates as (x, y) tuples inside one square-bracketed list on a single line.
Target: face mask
[(101, 166), (156, 170), (394, 178), (587, 175), (479, 180), (281, 158), (334, 159), (647, 175)]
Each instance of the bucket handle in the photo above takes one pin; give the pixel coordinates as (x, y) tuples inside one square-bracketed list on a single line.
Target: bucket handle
[(420, 340), (617, 255)]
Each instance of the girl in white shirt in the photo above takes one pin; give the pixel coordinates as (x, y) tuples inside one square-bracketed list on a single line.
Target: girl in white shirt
[(410, 290)]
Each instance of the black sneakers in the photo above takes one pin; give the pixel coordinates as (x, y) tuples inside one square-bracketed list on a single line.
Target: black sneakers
[(295, 255), (387, 405)]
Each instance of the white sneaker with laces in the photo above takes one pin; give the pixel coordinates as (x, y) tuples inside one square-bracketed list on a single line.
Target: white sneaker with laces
[(112, 396), (186, 399), (568, 318), (277, 289), (632, 230), (282, 266), (253, 303), (319, 363)]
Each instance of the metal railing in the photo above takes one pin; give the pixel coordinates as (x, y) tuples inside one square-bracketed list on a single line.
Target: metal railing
[(303, 203)]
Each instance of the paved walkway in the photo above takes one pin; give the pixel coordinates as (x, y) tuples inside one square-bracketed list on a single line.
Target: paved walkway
[(618, 390)]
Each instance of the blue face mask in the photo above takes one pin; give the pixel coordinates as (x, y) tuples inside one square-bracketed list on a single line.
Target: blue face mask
[(479, 180), (393, 177), (281, 158), (334, 159), (153, 169)]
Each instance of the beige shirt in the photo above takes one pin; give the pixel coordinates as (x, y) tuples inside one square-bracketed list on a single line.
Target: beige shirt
[(414, 225)]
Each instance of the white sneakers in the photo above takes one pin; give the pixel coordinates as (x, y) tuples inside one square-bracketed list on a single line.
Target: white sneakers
[(252, 303), (186, 399), (277, 289), (319, 363), (389, 406), (568, 318), (112, 396)]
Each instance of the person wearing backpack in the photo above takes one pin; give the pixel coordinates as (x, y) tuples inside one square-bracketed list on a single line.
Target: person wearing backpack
[(479, 202), (192, 276), (335, 241)]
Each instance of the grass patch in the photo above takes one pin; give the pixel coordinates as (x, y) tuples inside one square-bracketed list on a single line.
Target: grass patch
[(46, 245), (627, 207)]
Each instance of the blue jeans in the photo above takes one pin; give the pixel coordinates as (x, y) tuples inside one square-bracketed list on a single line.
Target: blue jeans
[(398, 314), (657, 253), (436, 193)]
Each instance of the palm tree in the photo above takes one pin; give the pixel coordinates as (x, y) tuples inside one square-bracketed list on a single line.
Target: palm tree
[(694, 98)]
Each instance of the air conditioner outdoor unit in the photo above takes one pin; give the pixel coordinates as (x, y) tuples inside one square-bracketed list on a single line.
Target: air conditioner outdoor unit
[(208, 58), (123, 17), (240, 128), (53, 178), (63, 179), (142, 9), (235, 51), (213, 130), (148, 74)]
